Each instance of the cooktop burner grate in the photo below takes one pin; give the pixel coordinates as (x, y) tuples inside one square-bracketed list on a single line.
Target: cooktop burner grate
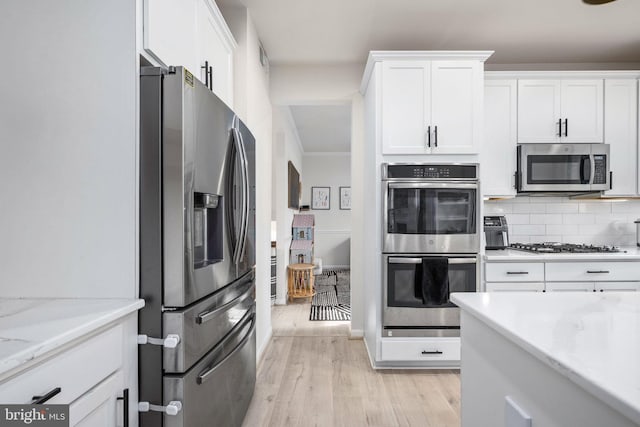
[(556, 247)]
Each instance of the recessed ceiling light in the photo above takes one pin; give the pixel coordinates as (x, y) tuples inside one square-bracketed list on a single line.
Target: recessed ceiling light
[(597, 1)]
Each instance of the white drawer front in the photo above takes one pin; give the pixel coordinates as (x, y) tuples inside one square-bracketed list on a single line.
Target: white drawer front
[(515, 287), (444, 349), (514, 272), (591, 271), (569, 287), (75, 371), (617, 286)]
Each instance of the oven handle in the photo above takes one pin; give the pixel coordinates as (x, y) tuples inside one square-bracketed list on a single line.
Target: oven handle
[(419, 260), (449, 184)]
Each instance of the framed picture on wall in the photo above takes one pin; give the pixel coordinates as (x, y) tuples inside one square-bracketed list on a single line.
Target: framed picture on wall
[(294, 187), (345, 198), (321, 198)]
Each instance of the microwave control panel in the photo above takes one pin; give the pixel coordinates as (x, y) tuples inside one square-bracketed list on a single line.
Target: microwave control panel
[(600, 174), (430, 171)]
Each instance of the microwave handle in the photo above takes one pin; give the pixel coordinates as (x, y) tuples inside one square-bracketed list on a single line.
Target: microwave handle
[(419, 260), (586, 165)]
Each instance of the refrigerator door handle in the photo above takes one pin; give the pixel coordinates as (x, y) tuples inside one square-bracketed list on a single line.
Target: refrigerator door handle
[(231, 223), (204, 376), (244, 224)]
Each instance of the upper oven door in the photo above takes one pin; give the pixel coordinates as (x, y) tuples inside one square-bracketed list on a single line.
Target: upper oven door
[(562, 167), (430, 217)]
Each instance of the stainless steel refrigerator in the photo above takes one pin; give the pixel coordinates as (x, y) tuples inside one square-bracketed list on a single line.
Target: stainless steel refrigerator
[(197, 255)]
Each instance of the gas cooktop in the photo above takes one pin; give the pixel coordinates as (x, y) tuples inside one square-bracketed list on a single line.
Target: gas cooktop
[(556, 247)]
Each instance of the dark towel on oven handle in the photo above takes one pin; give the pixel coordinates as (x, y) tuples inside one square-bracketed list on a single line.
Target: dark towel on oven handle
[(432, 283)]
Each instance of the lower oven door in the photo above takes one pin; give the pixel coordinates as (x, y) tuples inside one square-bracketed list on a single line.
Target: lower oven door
[(405, 313), (218, 389)]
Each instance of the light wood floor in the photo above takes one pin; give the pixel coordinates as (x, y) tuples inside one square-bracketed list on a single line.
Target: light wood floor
[(312, 374)]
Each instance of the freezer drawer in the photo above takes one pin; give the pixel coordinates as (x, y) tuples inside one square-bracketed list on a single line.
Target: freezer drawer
[(218, 389), (204, 324)]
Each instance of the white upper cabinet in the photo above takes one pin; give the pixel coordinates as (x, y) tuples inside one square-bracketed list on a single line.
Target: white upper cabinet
[(406, 106), (569, 110), (456, 106), (192, 33), (621, 125), (498, 155), (432, 106)]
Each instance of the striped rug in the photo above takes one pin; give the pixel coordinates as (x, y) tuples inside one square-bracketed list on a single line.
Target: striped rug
[(332, 300)]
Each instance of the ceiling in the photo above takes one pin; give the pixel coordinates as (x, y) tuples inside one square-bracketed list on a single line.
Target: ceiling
[(323, 128), (538, 32), (534, 31)]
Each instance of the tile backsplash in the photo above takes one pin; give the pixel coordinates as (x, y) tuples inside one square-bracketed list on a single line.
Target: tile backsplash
[(561, 219)]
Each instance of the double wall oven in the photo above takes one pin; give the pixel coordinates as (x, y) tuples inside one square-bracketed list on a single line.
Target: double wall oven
[(431, 241)]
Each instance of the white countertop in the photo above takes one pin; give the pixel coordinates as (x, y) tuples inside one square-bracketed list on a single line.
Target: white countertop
[(631, 253), (591, 338), (30, 328)]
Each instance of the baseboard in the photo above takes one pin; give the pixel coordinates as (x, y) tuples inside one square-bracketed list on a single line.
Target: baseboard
[(263, 349), (356, 334), (371, 359)]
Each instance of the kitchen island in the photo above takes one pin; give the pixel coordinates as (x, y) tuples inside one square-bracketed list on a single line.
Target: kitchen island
[(560, 359)]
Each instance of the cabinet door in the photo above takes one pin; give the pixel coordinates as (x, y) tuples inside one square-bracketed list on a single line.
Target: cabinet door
[(214, 49), (617, 286), (500, 138), (514, 287), (620, 130), (581, 111), (405, 107), (538, 111), (569, 286), (456, 106), (169, 33), (99, 407)]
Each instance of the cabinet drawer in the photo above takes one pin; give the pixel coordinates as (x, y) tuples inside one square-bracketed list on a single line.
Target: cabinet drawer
[(514, 272), (442, 349), (617, 286), (569, 287), (591, 271), (75, 371), (515, 287)]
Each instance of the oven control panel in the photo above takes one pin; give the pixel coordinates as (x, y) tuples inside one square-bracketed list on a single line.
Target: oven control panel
[(429, 171), (600, 173)]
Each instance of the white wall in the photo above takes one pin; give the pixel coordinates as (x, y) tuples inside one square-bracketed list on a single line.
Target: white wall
[(560, 219), (286, 148), (333, 226), (253, 106), (68, 136)]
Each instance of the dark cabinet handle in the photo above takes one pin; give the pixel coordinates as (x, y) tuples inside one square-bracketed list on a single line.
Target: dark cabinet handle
[(39, 400), (431, 352), (566, 127), (598, 271), (125, 407), (210, 74), (428, 136), (610, 180), (517, 272), (205, 67), (559, 127), (435, 131)]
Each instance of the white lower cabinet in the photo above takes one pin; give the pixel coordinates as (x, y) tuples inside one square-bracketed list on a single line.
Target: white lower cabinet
[(99, 407), (420, 349), (89, 376), (569, 286), (514, 287), (575, 276)]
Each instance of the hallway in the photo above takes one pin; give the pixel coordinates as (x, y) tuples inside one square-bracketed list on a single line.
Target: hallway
[(312, 374)]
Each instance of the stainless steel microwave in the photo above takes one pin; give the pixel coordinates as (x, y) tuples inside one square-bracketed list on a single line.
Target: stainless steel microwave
[(563, 168)]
